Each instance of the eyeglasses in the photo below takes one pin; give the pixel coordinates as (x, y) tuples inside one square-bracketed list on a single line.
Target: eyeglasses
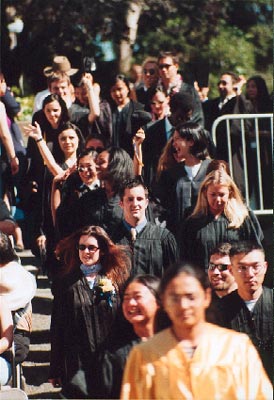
[(254, 268), (83, 169), (167, 66), (97, 149), (220, 267), (150, 71), (91, 247)]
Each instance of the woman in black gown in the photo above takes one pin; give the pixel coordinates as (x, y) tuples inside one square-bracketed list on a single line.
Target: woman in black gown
[(85, 306), (220, 215)]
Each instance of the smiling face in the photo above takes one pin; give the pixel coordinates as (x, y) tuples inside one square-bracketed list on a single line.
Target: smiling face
[(182, 146), (134, 204), (249, 282), (119, 93), (60, 87), (88, 175), (53, 113), (92, 256), (139, 304), (225, 86), (220, 280), (217, 198), (185, 302), (68, 141)]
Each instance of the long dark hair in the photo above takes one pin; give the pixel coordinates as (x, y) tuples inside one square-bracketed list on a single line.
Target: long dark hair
[(194, 132), (55, 97), (120, 168), (114, 259), (7, 253), (57, 152)]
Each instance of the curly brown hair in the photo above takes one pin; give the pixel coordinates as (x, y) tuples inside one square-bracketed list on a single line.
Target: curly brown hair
[(114, 258)]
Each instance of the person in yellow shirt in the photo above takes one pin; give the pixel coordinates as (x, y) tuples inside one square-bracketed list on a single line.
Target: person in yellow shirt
[(193, 359)]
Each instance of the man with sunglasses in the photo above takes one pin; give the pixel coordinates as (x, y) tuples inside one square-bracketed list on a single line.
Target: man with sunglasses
[(172, 82), (150, 78), (221, 280), (249, 309)]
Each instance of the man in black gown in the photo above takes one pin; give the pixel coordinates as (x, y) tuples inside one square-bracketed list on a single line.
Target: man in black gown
[(153, 248)]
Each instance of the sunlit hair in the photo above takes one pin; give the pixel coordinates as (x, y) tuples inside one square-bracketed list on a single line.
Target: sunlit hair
[(133, 183), (152, 282), (222, 248), (113, 258), (183, 268), (166, 159), (56, 77), (191, 131), (174, 56), (218, 165), (120, 168), (92, 153), (245, 247), (235, 210)]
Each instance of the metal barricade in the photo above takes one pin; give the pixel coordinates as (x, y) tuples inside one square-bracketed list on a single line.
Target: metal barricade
[(253, 138)]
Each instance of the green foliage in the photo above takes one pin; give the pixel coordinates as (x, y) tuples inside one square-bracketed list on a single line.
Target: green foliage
[(229, 34)]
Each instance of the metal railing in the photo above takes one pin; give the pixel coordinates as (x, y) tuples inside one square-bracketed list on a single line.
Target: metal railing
[(245, 134)]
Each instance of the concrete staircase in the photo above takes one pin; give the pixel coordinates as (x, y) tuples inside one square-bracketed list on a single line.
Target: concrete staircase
[(36, 366)]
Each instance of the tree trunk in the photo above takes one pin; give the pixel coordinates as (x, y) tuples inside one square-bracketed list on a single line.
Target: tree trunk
[(130, 33)]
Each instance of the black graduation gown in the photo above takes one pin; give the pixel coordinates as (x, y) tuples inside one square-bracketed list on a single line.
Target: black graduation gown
[(200, 235), (80, 323), (154, 249), (177, 192), (258, 324)]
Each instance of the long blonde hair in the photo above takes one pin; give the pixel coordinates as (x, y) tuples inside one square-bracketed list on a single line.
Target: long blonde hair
[(235, 210)]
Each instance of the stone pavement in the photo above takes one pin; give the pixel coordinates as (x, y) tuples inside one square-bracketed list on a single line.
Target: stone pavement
[(36, 366)]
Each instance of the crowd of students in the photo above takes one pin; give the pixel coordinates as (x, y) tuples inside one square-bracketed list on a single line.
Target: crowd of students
[(115, 191)]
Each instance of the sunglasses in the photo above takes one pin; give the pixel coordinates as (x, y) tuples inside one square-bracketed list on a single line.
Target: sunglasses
[(83, 169), (167, 66), (97, 149), (150, 71), (90, 247), (222, 83), (220, 267)]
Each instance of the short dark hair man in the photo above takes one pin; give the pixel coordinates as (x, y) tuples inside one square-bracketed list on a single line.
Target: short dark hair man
[(221, 280), (153, 248), (249, 309)]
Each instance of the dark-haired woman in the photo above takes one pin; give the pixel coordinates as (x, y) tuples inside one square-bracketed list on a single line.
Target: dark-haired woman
[(140, 304), (85, 306), (70, 143), (178, 186), (123, 108), (193, 359), (54, 112)]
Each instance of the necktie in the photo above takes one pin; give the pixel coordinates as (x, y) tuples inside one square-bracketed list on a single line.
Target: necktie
[(133, 234)]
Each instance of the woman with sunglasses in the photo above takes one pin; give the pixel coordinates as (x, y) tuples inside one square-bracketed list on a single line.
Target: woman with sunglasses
[(85, 307), (193, 359)]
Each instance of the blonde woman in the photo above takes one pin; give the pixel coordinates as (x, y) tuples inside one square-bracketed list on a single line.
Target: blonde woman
[(220, 215)]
